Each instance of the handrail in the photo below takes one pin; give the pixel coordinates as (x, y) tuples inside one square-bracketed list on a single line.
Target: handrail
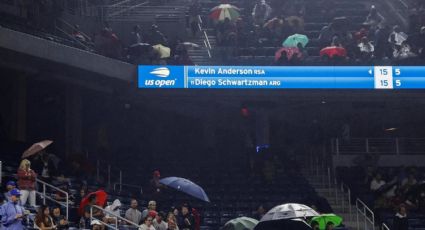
[(364, 210), (207, 43), (73, 39), (128, 186), (384, 227), (111, 214), (72, 27), (44, 196)]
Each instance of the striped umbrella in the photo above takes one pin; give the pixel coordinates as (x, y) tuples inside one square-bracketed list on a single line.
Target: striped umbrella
[(224, 11)]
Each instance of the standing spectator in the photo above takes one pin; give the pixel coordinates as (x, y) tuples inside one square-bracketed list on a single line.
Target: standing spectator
[(159, 222), (59, 220), (135, 35), (261, 12), (261, 211), (147, 224), (188, 222), (408, 182), (26, 182), (97, 213), (195, 10), (151, 207), (77, 34), (12, 212), (374, 18), (44, 164), (366, 49), (172, 222), (400, 219), (155, 186), (383, 46), (43, 220), (376, 183), (156, 37), (133, 214), (10, 185)]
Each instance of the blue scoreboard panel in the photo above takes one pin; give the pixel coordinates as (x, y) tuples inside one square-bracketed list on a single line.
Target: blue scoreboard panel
[(282, 77)]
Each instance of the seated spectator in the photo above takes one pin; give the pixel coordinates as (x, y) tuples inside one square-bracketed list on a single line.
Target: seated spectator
[(97, 213), (43, 220), (326, 34), (10, 185), (400, 219), (376, 183), (261, 12), (188, 221), (133, 214), (397, 37), (59, 220), (112, 211), (366, 49), (159, 222), (172, 221), (147, 224), (151, 207), (408, 182)]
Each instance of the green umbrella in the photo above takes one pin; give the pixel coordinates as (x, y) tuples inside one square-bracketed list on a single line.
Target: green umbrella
[(293, 40), (323, 219), (240, 223)]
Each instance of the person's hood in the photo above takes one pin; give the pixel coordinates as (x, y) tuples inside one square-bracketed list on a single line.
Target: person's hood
[(400, 216), (115, 204)]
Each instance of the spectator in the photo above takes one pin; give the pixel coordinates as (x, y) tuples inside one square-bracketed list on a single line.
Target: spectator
[(329, 226), (366, 49), (397, 37), (159, 222), (12, 212), (59, 220), (135, 35), (172, 222), (326, 34), (261, 211), (400, 219), (147, 224), (403, 52), (188, 222), (408, 182), (156, 37), (97, 213), (43, 220), (10, 185), (376, 183), (261, 12), (314, 225), (374, 18), (155, 186), (132, 213), (195, 10), (78, 35), (26, 182), (151, 207), (112, 211), (383, 46)]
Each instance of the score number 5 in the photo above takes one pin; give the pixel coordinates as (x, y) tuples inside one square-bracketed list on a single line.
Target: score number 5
[(397, 73)]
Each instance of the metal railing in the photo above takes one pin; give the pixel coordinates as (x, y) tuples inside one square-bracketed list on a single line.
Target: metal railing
[(366, 213), (384, 227), (118, 187), (43, 194), (141, 11), (342, 193), (116, 217), (207, 43), (391, 146)]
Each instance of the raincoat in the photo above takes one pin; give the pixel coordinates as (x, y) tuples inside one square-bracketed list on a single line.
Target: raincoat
[(10, 210)]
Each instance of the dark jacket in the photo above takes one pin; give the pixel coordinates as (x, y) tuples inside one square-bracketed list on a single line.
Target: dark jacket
[(400, 222)]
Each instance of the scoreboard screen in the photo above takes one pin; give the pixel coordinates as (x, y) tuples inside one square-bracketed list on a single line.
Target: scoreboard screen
[(282, 77)]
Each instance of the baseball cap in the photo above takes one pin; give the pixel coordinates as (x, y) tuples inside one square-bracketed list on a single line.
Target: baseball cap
[(11, 183), (15, 192)]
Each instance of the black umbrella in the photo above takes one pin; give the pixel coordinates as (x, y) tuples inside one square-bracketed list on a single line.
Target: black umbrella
[(286, 224), (139, 49)]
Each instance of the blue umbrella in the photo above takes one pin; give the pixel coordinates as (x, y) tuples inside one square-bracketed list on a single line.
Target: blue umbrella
[(186, 186)]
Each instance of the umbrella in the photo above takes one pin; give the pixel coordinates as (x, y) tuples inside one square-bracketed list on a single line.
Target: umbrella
[(35, 148), (332, 51), (290, 51), (224, 11), (163, 51), (289, 211), (324, 219), (287, 224), (293, 40), (190, 45), (240, 223), (186, 186), (139, 49), (101, 197)]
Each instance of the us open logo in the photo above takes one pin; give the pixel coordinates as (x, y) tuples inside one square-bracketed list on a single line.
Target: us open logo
[(161, 72)]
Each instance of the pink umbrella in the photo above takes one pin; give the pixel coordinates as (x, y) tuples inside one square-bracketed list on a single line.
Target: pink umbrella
[(35, 148), (290, 51)]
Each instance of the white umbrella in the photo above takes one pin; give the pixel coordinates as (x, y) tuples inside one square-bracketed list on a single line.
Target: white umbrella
[(289, 211)]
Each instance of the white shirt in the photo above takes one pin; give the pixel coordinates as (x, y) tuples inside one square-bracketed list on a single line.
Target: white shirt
[(145, 227), (375, 185)]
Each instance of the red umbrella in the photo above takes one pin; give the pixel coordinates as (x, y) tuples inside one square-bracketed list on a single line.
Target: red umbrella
[(332, 51), (101, 197), (290, 51), (36, 147)]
